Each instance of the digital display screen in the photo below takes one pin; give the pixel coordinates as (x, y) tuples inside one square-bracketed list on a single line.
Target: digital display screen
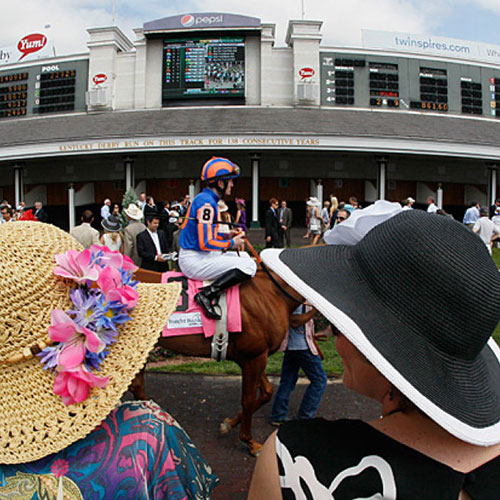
[(433, 90), (55, 92), (57, 87), (204, 68), (13, 95)]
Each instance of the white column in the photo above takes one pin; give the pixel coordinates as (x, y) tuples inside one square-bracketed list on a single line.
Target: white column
[(191, 190), (319, 193), (71, 205), (381, 177), (129, 173), (439, 196), (255, 158), (492, 188), (18, 185)]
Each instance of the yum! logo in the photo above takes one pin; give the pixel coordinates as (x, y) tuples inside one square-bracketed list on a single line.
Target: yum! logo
[(188, 20), (31, 43), (100, 78)]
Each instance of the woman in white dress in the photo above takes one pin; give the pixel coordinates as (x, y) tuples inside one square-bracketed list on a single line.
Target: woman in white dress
[(112, 237)]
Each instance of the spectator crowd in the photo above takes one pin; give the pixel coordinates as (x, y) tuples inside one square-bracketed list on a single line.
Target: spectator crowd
[(159, 223)]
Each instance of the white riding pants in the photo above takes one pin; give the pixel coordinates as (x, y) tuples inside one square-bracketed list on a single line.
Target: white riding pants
[(210, 265)]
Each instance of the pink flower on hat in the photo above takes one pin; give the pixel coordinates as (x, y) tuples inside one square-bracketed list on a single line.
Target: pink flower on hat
[(73, 384), (110, 282), (76, 339), (114, 259), (77, 266)]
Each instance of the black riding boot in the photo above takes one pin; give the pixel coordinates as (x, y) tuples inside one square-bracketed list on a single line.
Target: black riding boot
[(208, 297)]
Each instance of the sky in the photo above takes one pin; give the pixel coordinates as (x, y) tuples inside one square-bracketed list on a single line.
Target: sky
[(65, 21)]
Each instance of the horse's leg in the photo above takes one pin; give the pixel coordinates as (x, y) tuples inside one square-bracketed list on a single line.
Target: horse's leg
[(265, 394), (252, 371), (137, 387)]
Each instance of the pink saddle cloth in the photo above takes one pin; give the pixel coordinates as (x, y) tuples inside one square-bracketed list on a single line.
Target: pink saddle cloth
[(188, 318)]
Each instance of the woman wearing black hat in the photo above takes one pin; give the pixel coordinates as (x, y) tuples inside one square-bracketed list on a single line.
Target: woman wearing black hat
[(112, 237), (428, 358)]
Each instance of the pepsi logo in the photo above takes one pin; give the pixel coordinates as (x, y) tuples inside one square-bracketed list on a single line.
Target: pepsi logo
[(187, 20)]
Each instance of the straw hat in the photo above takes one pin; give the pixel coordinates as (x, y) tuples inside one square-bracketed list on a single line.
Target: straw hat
[(419, 296), (134, 212), (34, 421)]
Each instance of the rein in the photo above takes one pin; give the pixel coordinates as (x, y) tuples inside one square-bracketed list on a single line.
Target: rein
[(266, 270)]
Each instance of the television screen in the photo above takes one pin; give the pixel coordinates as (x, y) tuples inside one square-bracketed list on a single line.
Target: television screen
[(204, 68)]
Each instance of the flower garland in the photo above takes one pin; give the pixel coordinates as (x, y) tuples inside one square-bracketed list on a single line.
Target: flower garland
[(102, 298)]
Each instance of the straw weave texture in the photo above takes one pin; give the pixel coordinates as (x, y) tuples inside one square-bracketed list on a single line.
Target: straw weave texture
[(34, 421)]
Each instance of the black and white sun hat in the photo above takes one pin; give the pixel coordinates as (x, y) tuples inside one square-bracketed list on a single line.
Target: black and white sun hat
[(419, 296)]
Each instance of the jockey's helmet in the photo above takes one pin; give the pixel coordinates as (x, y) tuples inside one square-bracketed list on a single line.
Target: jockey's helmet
[(218, 168)]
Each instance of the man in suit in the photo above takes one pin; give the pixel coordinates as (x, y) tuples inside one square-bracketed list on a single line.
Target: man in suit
[(151, 245), (135, 226), (85, 233), (40, 213), (273, 230), (285, 214)]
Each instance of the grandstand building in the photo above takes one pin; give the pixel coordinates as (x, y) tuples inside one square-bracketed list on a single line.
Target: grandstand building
[(401, 116)]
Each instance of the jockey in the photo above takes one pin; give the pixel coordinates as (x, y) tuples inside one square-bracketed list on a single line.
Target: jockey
[(201, 244)]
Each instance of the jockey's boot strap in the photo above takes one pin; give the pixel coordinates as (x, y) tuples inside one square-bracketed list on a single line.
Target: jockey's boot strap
[(208, 297)]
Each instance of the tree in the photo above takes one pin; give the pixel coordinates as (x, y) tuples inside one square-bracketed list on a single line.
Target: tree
[(128, 198)]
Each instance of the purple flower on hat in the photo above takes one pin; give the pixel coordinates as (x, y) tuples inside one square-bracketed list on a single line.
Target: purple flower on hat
[(84, 312), (49, 356), (111, 314)]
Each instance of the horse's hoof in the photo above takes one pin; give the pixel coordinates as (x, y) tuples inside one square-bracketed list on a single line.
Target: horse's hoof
[(225, 427), (255, 449)]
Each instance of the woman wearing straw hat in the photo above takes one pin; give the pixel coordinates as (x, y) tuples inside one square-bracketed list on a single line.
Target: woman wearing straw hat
[(112, 237), (427, 357), (75, 329)]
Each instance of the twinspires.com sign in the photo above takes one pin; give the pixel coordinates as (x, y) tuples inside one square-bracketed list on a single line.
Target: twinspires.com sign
[(431, 45)]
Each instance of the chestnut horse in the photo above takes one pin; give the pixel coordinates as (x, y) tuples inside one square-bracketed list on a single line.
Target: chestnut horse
[(265, 315)]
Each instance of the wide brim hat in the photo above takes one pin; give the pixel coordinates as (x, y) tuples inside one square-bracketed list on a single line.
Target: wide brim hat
[(35, 422), (222, 206), (134, 212), (419, 296), (313, 202), (111, 224)]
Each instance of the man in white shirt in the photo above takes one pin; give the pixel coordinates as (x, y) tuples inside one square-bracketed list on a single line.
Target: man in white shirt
[(151, 245), (471, 215), (85, 233), (486, 229), (432, 207), (105, 212)]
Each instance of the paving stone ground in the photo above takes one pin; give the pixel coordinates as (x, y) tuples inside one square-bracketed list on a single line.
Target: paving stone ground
[(200, 403)]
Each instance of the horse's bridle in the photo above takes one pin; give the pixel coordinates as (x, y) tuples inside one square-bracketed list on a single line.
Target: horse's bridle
[(271, 277)]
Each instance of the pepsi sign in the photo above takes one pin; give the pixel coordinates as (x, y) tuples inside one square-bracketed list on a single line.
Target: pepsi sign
[(201, 21)]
